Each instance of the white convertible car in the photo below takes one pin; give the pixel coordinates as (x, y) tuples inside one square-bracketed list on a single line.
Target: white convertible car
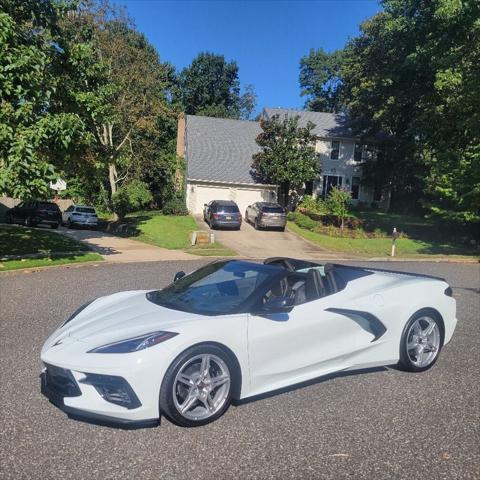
[(236, 329)]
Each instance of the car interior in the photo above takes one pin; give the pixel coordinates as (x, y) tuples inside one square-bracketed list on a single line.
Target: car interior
[(307, 281)]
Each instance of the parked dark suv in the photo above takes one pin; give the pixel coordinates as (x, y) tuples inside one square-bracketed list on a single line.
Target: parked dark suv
[(222, 213), (34, 212)]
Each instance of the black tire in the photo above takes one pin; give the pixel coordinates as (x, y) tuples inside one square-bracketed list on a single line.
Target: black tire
[(246, 216), (167, 405), (255, 225), (54, 225), (29, 222), (69, 224), (9, 219), (282, 229), (406, 362)]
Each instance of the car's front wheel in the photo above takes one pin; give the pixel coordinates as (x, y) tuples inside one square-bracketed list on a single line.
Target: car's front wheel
[(421, 342), (197, 387)]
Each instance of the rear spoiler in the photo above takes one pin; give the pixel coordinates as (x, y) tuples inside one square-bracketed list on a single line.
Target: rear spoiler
[(398, 272)]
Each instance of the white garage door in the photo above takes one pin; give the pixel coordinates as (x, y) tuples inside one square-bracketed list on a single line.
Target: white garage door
[(198, 195)]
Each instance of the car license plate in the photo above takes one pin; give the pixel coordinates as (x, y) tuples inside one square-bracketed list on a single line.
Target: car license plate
[(228, 217)]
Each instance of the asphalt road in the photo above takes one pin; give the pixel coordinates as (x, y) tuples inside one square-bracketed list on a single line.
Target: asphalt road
[(379, 425)]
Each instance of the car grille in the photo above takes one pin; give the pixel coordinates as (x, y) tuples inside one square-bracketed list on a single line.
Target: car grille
[(61, 381)]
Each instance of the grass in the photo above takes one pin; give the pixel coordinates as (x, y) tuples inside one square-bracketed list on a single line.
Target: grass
[(16, 240), (49, 261), (380, 247), (168, 231), (50, 248)]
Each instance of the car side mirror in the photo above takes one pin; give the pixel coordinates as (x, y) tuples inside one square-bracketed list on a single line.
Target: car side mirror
[(278, 305), (179, 275)]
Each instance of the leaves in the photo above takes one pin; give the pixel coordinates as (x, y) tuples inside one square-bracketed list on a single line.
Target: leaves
[(288, 152)]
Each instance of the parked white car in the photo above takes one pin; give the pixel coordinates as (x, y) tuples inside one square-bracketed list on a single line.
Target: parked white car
[(80, 215), (235, 329)]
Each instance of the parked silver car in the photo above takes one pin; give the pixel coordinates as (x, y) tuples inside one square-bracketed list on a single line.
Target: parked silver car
[(80, 215), (266, 215)]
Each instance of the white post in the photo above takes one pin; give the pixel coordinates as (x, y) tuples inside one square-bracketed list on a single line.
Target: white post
[(394, 237)]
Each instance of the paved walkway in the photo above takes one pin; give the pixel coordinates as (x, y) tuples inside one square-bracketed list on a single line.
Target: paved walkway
[(118, 249), (251, 243)]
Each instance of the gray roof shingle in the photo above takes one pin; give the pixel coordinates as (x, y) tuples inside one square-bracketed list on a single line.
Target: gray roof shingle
[(326, 124), (219, 149)]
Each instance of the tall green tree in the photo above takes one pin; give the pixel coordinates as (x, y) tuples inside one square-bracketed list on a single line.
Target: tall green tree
[(210, 86), (320, 80), (413, 73), (288, 156), (128, 112), (33, 136)]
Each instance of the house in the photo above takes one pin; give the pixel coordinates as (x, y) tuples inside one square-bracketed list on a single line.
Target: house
[(218, 154)]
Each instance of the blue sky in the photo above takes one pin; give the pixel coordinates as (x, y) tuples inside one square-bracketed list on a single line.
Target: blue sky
[(266, 38)]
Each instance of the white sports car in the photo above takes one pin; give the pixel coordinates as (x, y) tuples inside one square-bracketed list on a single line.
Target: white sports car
[(236, 329)]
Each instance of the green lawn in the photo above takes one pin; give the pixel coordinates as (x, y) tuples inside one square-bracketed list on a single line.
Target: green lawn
[(168, 231), (49, 261), (51, 248), (16, 240), (380, 247)]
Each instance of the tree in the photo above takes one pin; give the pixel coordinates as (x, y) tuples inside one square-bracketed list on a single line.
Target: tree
[(288, 156), (320, 80), (413, 74), (210, 86), (32, 135), (337, 204), (248, 102), (129, 115)]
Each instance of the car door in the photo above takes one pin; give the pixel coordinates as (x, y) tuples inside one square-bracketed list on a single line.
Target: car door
[(308, 342)]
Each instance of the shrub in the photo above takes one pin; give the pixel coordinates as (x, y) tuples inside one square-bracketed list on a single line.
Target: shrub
[(176, 206), (130, 197), (337, 204), (312, 205)]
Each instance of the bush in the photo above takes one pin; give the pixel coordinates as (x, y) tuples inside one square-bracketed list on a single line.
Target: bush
[(176, 206), (337, 204), (312, 205), (130, 197)]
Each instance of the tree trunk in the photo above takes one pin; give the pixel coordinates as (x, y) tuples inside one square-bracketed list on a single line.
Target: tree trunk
[(112, 177)]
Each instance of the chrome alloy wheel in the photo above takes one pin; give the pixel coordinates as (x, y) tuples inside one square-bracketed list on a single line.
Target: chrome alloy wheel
[(423, 341), (201, 387)]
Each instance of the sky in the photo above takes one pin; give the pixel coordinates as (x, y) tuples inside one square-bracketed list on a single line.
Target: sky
[(265, 38)]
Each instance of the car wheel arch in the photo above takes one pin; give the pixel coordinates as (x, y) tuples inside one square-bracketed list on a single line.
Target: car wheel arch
[(426, 311), (236, 377)]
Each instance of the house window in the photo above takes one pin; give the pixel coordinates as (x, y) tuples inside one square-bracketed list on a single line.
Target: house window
[(335, 149), (330, 181), (358, 155), (355, 188)]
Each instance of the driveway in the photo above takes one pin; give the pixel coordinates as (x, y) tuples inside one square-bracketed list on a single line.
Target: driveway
[(380, 424), (118, 249), (251, 243)]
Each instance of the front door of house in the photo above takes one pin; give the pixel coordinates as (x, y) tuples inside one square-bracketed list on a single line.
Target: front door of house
[(330, 181)]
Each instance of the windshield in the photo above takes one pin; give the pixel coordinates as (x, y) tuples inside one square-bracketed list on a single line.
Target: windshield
[(216, 289), (85, 210), (227, 209), (272, 209)]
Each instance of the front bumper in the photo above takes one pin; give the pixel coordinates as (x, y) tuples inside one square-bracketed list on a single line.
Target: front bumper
[(59, 399)]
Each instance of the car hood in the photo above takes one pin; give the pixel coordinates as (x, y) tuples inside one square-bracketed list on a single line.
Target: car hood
[(117, 317)]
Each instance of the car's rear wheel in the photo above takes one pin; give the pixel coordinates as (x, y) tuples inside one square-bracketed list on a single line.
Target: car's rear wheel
[(246, 216), (197, 387), (29, 222), (54, 225), (422, 340)]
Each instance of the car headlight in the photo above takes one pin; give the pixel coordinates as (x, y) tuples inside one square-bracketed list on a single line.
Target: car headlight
[(135, 344), (77, 311)]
